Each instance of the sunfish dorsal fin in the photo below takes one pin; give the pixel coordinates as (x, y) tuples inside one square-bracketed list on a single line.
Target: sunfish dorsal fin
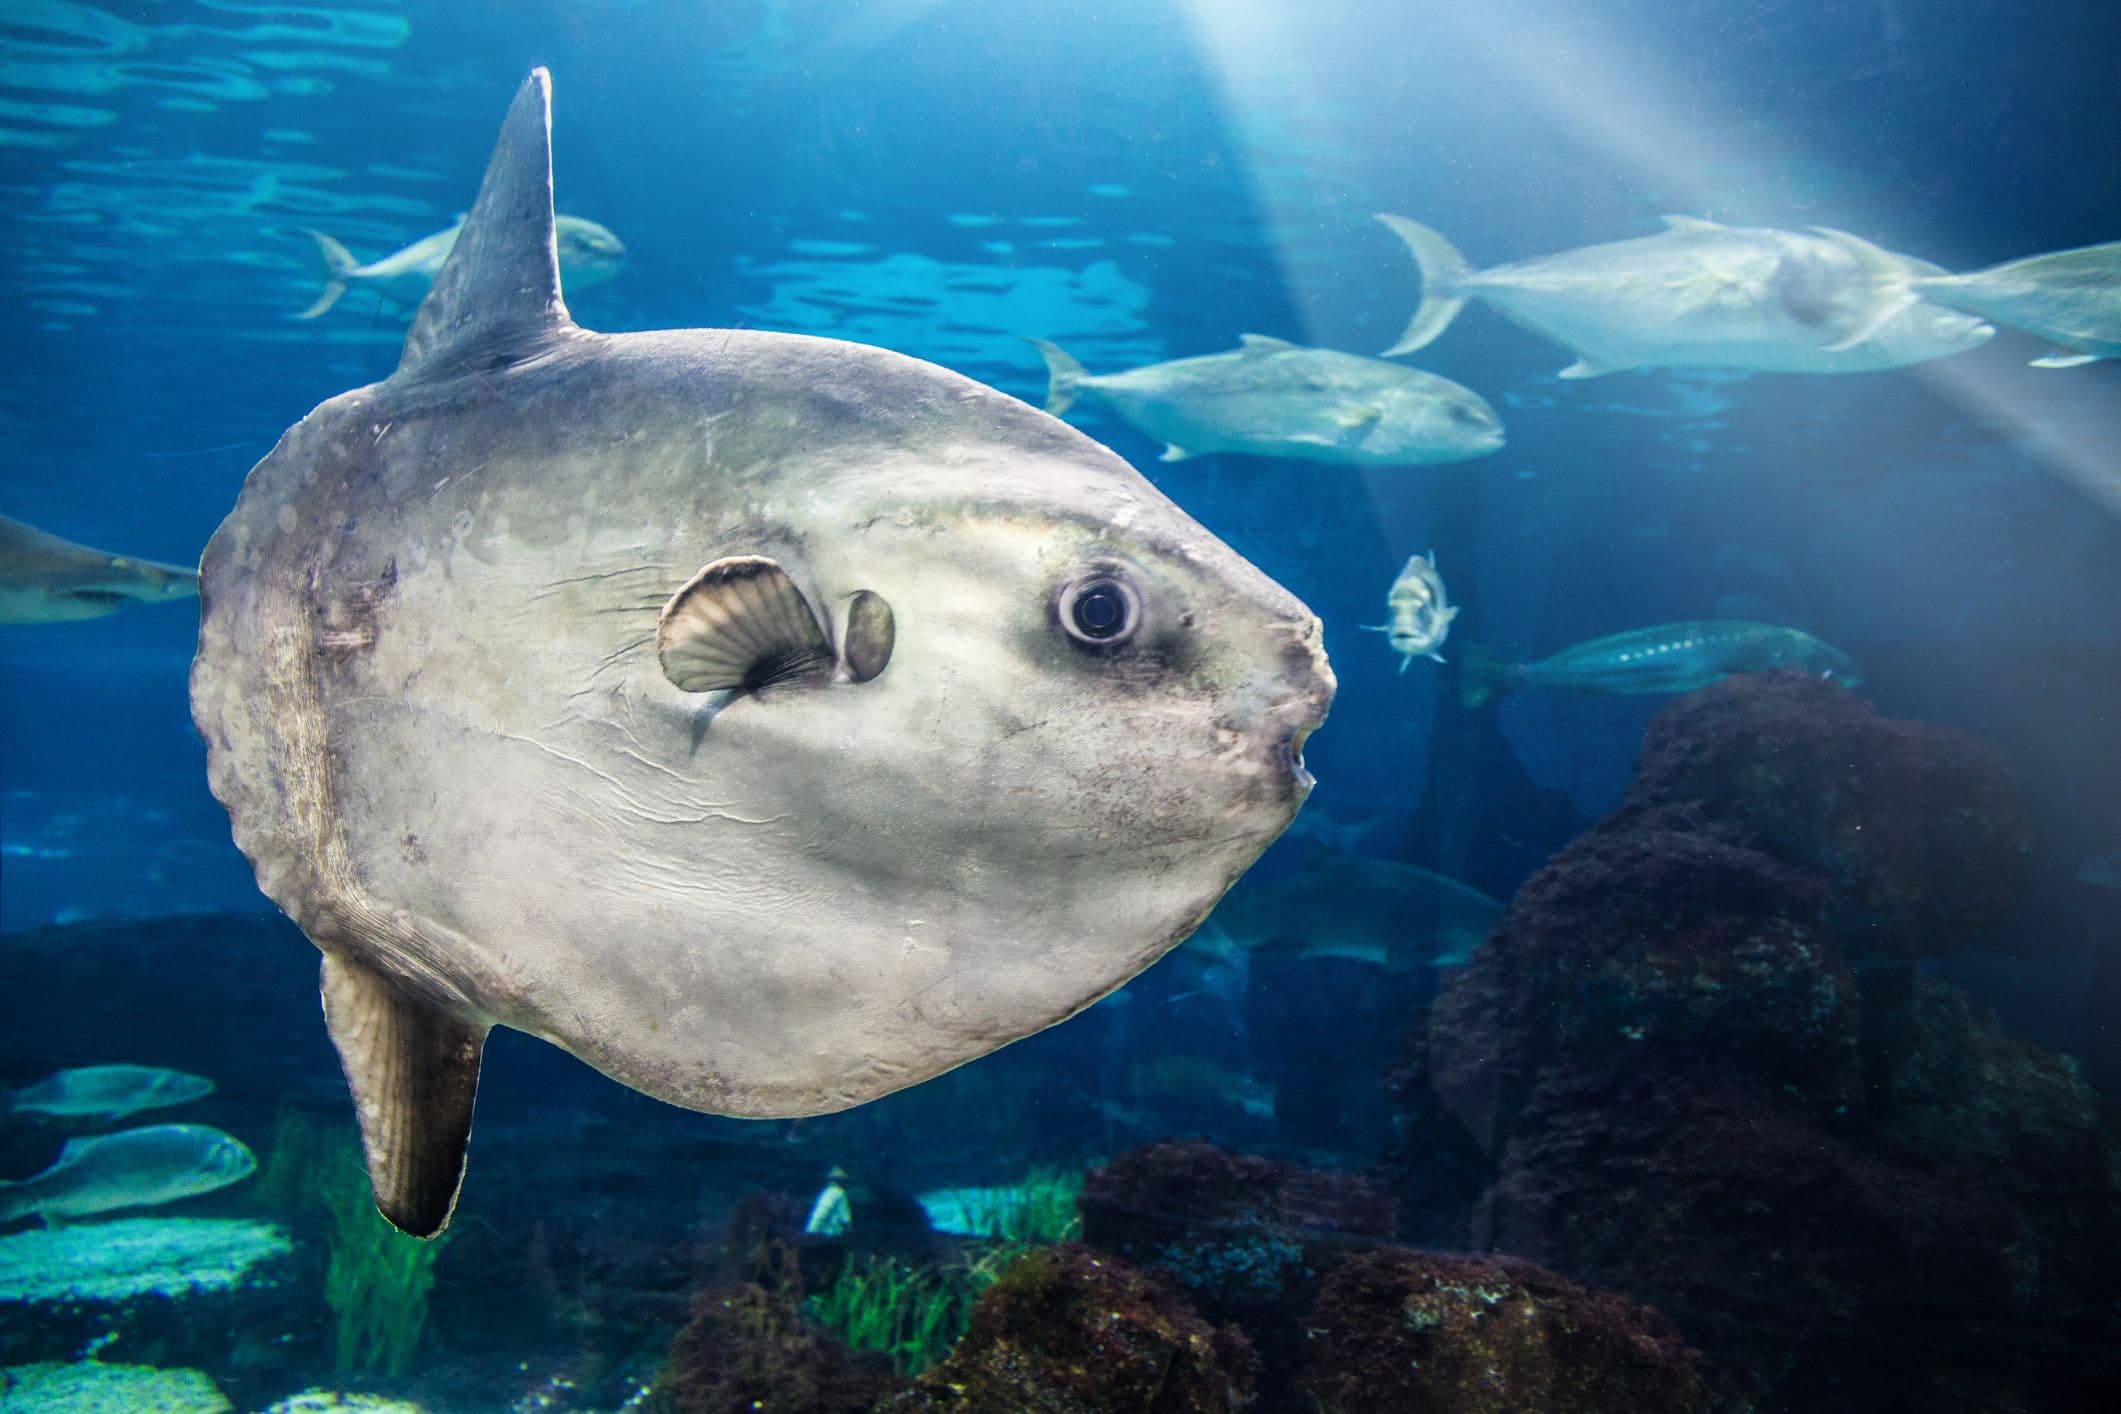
[(498, 295)]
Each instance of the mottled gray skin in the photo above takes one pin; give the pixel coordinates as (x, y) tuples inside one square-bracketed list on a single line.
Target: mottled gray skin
[(135, 1168), (429, 689), (2072, 297), (107, 1092), (44, 579)]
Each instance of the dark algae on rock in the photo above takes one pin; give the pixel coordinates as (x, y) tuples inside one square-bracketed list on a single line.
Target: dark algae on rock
[(1396, 1332), (1698, 1064)]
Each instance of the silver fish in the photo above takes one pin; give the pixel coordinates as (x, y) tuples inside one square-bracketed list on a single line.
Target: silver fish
[(45, 580), (589, 255), (2070, 297), (1390, 915), (134, 1168), (1665, 659), (1700, 294), (1418, 618), (1271, 398), (773, 722), (106, 1092)]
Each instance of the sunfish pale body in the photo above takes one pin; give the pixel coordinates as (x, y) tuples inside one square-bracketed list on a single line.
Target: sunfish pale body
[(1271, 398), (772, 722), (1700, 294)]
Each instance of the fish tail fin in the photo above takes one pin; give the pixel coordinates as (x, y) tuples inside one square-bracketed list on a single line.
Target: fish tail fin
[(1442, 268), (1062, 374), (1482, 677), (338, 264)]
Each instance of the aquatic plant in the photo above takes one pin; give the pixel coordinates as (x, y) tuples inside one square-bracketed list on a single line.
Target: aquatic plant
[(913, 1315), (376, 1279)]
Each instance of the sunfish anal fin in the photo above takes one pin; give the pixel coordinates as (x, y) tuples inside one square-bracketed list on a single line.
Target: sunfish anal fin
[(497, 297), (414, 1070), (740, 625)]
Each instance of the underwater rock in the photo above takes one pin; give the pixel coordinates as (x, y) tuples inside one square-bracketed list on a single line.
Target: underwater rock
[(1246, 1238), (91, 1387), (747, 1348), (1397, 1330), (1070, 1331), (1921, 829), (1693, 1066)]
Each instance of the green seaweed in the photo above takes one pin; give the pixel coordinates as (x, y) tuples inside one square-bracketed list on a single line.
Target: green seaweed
[(1043, 1209), (376, 1279), (913, 1315)]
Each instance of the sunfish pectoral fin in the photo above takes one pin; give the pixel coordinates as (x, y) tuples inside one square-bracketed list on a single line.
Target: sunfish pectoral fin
[(741, 624), (2065, 358), (414, 1070), (497, 298), (867, 640)]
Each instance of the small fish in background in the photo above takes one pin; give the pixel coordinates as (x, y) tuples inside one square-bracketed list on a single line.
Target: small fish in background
[(589, 255), (1701, 295), (134, 1168), (1668, 658), (47, 580), (1272, 398), (103, 1093), (1393, 916), (1418, 617), (2102, 872), (2071, 298)]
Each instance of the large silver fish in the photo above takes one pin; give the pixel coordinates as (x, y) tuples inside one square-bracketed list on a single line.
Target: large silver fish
[(1666, 658), (772, 722), (1700, 294), (589, 255), (106, 1092), (134, 1168), (2070, 297), (1271, 398), (46, 580)]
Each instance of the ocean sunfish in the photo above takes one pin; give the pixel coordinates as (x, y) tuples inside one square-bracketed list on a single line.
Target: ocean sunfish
[(589, 255), (1271, 398), (105, 1092), (46, 580), (1701, 295), (134, 1168), (1667, 658), (772, 722), (2072, 298)]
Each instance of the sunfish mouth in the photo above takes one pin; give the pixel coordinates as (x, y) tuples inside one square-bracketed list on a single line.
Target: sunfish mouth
[(1292, 757)]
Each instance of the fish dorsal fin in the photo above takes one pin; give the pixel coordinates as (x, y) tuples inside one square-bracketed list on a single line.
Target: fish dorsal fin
[(740, 625), (1263, 343), (498, 295), (1694, 224)]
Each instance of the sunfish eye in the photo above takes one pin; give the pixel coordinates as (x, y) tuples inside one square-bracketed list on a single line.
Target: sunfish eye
[(1100, 610)]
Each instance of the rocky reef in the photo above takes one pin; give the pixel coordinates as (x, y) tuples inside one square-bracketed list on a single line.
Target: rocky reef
[(1071, 1331), (1698, 1063), (1395, 1330)]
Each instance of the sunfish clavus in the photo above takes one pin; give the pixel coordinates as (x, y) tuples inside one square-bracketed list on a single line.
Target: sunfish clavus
[(1699, 294), (772, 722), (46, 580)]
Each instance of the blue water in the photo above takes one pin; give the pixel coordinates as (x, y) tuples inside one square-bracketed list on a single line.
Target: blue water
[(1136, 180)]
